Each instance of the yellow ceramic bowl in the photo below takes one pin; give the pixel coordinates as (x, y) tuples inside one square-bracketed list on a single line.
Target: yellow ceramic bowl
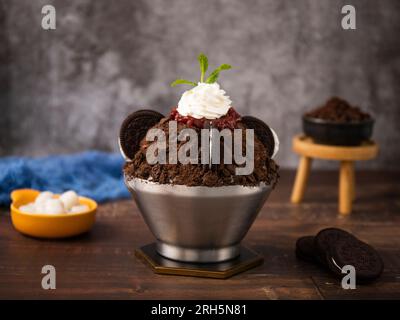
[(50, 226)]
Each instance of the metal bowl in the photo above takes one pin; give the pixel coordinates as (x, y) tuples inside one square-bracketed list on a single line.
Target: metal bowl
[(341, 134), (198, 224)]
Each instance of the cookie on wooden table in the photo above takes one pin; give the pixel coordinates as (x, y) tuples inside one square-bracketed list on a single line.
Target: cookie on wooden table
[(365, 259), (305, 249), (326, 239)]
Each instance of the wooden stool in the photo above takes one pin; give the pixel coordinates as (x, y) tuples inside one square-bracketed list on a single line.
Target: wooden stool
[(308, 150)]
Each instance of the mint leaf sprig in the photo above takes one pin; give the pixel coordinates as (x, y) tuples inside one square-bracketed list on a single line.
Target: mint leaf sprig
[(203, 62), (215, 74), (182, 81)]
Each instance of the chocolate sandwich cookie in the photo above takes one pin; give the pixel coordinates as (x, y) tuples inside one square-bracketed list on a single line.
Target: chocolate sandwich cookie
[(326, 239), (335, 248), (305, 249), (134, 129), (364, 258), (262, 131)]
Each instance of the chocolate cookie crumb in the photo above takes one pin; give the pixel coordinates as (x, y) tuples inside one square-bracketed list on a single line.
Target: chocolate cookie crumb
[(339, 111), (265, 169)]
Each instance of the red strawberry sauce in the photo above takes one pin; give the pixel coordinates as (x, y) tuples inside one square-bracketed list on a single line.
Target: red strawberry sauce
[(227, 121)]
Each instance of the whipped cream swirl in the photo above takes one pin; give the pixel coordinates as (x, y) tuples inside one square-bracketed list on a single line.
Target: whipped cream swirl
[(206, 100)]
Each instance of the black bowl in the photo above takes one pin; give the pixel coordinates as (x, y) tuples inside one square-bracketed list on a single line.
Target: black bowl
[(339, 134)]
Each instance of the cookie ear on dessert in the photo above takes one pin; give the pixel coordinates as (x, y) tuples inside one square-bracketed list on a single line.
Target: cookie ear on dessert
[(262, 131), (134, 129)]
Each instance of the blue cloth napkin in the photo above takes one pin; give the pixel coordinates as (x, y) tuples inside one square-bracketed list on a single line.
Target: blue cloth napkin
[(93, 174)]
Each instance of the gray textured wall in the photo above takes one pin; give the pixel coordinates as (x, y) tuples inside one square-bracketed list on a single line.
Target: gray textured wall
[(69, 89)]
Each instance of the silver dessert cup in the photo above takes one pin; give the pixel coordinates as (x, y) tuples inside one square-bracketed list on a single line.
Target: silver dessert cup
[(198, 224)]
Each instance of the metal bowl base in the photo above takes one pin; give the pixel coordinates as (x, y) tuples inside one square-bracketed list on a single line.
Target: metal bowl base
[(197, 255), (246, 260)]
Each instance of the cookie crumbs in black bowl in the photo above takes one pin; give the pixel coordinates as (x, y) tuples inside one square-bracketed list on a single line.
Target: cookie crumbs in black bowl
[(338, 123)]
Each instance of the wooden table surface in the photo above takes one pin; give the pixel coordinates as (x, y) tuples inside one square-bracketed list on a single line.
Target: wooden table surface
[(102, 264)]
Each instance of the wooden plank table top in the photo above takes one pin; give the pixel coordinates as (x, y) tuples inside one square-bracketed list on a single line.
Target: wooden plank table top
[(102, 264)]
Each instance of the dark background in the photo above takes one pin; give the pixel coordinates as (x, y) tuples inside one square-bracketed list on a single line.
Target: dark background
[(68, 89)]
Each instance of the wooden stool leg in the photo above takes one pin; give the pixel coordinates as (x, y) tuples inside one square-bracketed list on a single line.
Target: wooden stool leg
[(353, 184), (346, 187), (301, 179)]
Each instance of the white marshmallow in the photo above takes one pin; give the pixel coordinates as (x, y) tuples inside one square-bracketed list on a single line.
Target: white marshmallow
[(28, 208), (80, 208), (69, 199), (43, 196), (53, 206), (46, 203), (39, 207)]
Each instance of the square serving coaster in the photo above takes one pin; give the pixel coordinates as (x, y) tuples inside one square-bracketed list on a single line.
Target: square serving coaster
[(247, 259)]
